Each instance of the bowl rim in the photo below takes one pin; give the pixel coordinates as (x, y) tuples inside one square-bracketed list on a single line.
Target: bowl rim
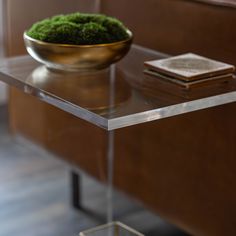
[(130, 38)]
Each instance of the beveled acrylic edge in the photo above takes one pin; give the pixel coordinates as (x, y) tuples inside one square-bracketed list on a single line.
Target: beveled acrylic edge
[(55, 101), (142, 117), (172, 110)]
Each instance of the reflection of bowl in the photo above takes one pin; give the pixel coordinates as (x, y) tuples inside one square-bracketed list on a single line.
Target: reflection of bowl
[(92, 90), (77, 57)]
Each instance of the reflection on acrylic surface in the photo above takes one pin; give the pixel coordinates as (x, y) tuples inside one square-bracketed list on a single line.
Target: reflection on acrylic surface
[(93, 90)]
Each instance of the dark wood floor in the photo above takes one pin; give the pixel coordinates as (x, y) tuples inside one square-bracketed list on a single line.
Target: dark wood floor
[(35, 196)]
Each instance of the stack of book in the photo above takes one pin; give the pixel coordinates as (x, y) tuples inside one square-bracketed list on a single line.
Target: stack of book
[(188, 75)]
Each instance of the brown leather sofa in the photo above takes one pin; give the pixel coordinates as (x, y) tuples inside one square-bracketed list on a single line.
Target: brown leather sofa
[(182, 167)]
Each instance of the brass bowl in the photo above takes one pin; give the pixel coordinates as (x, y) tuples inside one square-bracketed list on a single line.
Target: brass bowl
[(77, 57)]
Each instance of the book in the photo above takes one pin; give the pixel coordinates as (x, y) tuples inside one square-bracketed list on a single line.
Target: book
[(189, 67)]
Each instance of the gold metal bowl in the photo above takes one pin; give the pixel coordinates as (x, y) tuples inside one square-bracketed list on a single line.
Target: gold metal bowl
[(77, 57)]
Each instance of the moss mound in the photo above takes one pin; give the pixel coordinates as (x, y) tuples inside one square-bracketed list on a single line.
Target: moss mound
[(79, 28)]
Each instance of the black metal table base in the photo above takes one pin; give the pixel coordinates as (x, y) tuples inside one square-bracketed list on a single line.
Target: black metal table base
[(75, 190)]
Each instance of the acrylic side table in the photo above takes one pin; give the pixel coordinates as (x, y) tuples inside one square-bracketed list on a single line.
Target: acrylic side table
[(120, 106), (110, 99)]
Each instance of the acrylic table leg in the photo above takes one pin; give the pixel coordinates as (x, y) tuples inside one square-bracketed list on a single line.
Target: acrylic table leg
[(75, 190), (110, 149), (110, 160)]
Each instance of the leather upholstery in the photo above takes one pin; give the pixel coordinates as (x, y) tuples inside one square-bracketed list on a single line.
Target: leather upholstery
[(179, 26)]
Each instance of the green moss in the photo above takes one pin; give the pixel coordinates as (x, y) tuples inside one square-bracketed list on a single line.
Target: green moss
[(79, 28)]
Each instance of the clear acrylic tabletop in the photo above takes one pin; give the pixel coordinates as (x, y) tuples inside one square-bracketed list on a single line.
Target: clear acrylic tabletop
[(120, 96)]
